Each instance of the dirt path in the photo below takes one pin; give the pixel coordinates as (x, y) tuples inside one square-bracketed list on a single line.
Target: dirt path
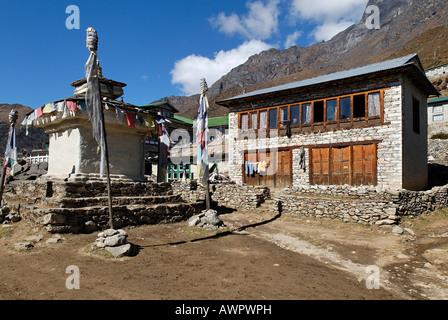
[(258, 257)]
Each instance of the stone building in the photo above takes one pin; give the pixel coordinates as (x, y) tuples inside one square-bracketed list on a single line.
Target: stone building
[(364, 126), (438, 116)]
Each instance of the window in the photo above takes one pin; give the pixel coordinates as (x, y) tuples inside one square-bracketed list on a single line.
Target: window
[(374, 104), (284, 117), (263, 120), (345, 108), (295, 115), (245, 122), (306, 113), (254, 121), (438, 117), (437, 109), (273, 118), (318, 111), (359, 106), (416, 115), (344, 112), (331, 109)]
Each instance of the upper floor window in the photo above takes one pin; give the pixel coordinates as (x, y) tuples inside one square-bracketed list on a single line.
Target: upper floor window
[(345, 112)]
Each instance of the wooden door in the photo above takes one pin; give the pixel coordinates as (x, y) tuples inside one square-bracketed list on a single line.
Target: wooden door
[(320, 166), (364, 165), (341, 173), (283, 177), (250, 178)]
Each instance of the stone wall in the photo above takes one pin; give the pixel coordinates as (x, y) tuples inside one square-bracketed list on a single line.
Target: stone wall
[(82, 207), (366, 205), (229, 195)]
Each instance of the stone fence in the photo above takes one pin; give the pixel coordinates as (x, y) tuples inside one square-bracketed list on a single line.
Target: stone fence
[(227, 194), (367, 205)]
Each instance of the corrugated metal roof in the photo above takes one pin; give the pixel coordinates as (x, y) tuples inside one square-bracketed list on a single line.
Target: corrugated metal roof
[(377, 67), (438, 100)]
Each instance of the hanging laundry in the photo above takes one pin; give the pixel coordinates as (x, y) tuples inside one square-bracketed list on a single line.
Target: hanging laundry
[(38, 112), (130, 117), (121, 114), (139, 120), (149, 121), (60, 106), (46, 108), (72, 106), (82, 105)]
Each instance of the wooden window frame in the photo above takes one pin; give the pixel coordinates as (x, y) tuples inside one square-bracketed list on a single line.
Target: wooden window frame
[(338, 124)]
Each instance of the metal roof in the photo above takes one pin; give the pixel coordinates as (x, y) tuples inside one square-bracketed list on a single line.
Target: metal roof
[(373, 68), (438, 100)]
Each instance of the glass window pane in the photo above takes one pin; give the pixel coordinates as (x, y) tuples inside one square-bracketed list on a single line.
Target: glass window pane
[(374, 104), (263, 119), (244, 122), (318, 111), (345, 108), (295, 115), (284, 116), (273, 118), (331, 109), (254, 121), (306, 113)]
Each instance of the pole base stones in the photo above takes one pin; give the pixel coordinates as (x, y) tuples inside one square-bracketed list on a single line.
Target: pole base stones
[(206, 219), (113, 241)]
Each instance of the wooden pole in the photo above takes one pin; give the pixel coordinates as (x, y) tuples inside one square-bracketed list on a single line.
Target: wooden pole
[(13, 116), (3, 178)]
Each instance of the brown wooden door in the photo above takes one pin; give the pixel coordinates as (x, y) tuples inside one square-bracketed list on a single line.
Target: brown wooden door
[(364, 165), (283, 177), (341, 173), (320, 166)]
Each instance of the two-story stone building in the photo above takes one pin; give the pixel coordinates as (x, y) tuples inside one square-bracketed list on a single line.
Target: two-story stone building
[(364, 126)]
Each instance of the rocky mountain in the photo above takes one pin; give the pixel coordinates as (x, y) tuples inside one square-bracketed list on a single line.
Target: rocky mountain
[(406, 27), (36, 139)]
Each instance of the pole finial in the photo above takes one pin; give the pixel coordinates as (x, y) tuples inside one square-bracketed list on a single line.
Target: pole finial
[(13, 116), (204, 86), (92, 39)]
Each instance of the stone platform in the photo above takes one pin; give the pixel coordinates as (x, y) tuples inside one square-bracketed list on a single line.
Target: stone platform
[(82, 206)]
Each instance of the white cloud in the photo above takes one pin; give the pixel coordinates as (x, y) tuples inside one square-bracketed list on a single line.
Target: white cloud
[(260, 22), (292, 39), (188, 71), (327, 31), (331, 16)]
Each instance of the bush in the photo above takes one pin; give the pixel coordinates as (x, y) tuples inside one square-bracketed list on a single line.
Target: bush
[(441, 136)]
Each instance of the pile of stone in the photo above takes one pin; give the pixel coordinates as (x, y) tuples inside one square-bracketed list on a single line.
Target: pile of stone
[(113, 241), (6, 216), (207, 219)]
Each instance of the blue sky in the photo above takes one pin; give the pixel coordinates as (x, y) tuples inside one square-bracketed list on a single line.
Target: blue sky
[(158, 48)]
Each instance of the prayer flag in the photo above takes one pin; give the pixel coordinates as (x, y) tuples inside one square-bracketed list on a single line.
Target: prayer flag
[(202, 137)]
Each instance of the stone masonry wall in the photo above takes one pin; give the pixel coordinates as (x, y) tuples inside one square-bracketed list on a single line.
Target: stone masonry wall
[(366, 205), (82, 207), (227, 195)]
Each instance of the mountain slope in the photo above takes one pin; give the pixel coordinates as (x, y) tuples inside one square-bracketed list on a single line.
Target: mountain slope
[(36, 138), (411, 26)]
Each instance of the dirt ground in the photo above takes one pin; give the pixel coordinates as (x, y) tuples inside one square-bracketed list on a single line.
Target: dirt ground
[(259, 256)]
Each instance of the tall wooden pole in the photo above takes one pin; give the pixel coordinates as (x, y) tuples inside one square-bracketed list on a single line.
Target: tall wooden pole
[(109, 191), (12, 121)]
